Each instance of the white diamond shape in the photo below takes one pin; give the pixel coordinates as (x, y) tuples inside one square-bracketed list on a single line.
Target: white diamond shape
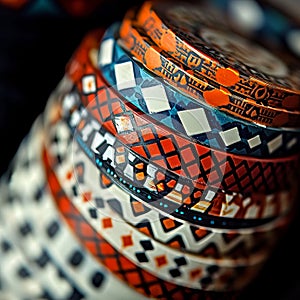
[(123, 123), (255, 141), (210, 195), (89, 84), (230, 136), (156, 98), (194, 121), (128, 171), (291, 143), (124, 76), (275, 144), (106, 52)]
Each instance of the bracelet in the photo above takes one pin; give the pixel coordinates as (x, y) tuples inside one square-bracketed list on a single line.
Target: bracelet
[(203, 241), (139, 279), (204, 41), (203, 165), (145, 251), (139, 177), (90, 279), (212, 128), (157, 62), (20, 235)]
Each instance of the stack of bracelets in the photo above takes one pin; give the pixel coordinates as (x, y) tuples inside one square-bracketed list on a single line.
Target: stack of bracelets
[(165, 165)]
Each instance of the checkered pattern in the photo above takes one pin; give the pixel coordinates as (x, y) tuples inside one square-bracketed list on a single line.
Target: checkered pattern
[(42, 276), (208, 126), (178, 154), (152, 184), (186, 80), (90, 280)]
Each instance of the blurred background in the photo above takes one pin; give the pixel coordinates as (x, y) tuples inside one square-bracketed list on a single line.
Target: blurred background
[(37, 38)]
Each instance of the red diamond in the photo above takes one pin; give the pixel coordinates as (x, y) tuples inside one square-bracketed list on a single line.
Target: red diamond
[(127, 240), (107, 223), (195, 273), (161, 260), (168, 223)]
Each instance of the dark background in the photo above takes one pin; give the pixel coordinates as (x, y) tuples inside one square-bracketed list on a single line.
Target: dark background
[(34, 49)]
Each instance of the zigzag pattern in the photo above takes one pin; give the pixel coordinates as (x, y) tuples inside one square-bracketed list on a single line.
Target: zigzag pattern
[(145, 252), (162, 228), (141, 280)]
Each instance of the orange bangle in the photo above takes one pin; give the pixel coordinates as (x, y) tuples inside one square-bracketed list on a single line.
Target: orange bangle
[(205, 42)]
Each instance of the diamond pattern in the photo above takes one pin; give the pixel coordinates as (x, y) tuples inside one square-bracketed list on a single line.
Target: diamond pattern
[(194, 121), (143, 281), (124, 76), (184, 205), (155, 98), (224, 167), (178, 103), (230, 136)]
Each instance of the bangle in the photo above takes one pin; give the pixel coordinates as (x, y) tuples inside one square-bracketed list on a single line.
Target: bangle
[(141, 280), (80, 268), (155, 185), (204, 41), (174, 233), (203, 165), (176, 110), (179, 76), (137, 248)]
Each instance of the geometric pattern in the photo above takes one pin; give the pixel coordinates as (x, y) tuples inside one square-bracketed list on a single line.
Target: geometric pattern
[(147, 253), (147, 182), (140, 280), (85, 278), (165, 229), (179, 111), (89, 237), (188, 81), (205, 166), (24, 261), (209, 60), (17, 271)]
